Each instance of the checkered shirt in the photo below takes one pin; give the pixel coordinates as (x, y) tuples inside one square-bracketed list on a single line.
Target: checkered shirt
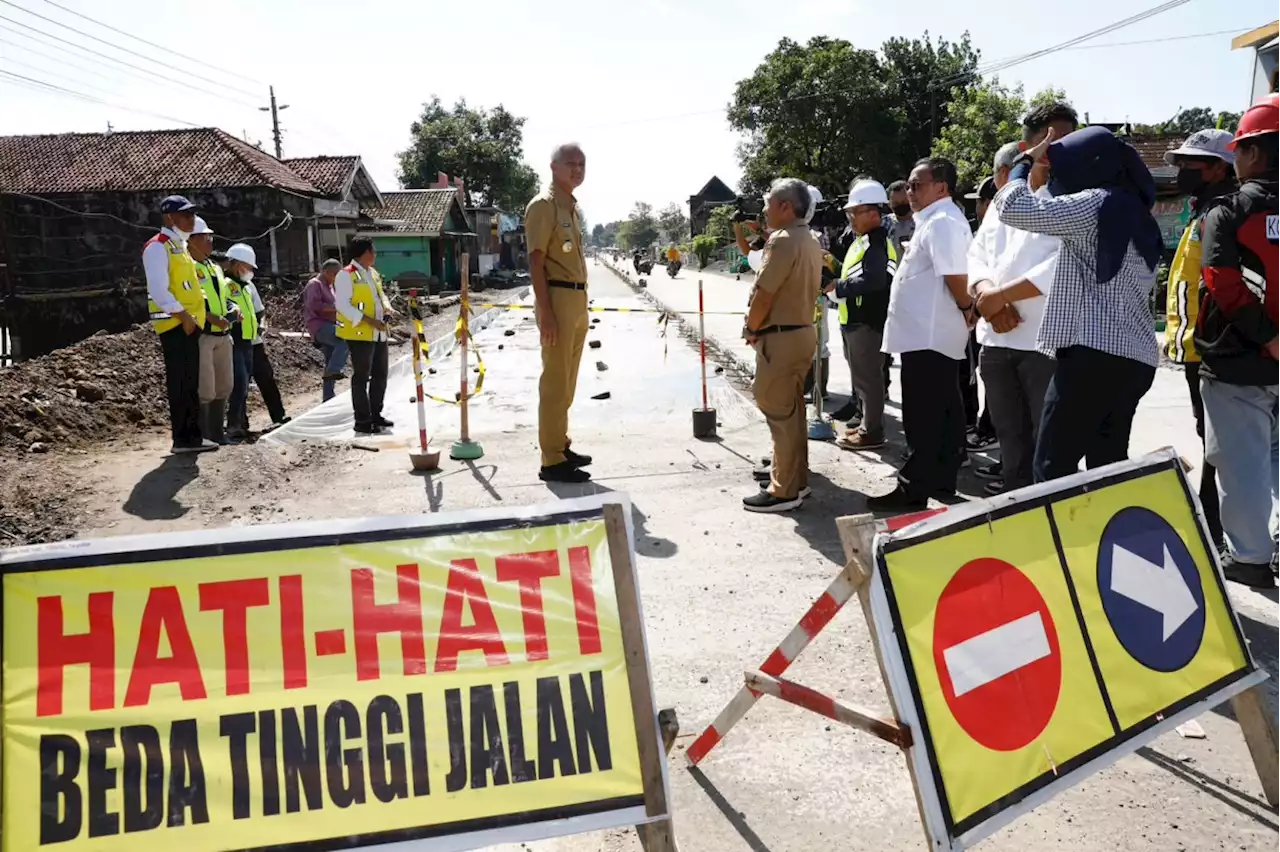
[(1112, 317)]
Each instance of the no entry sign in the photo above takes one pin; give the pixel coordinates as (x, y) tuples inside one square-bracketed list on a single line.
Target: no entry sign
[(997, 656)]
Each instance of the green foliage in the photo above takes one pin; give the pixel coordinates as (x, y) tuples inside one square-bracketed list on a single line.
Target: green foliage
[(826, 111), (1188, 121), (605, 235), (641, 228), (485, 148), (704, 245), (1228, 121), (673, 222), (720, 224), (979, 121)]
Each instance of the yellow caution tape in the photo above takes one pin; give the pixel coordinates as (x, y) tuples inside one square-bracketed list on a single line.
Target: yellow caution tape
[(461, 329), (518, 307)]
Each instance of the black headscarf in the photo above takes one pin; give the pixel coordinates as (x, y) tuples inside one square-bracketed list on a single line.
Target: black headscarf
[(1095, 158)]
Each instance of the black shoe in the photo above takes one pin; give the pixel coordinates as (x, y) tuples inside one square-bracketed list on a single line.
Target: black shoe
[(897, 500), (976, 442), (366, 429), (763, 501), (1248, 574), (576, 459), (993, 488), (282, 420), (563, 472), (846, 412), (994, 470), (379, 420)]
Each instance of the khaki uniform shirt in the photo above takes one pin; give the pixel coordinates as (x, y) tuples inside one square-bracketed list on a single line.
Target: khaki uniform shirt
[(552, 227), (791, 271)]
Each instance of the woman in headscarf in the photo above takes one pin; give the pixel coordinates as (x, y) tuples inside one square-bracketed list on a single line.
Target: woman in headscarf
[(1097, 319)]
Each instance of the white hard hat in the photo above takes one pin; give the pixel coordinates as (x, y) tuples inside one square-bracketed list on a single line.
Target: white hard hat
[(244, 253), (815, 198), (866, 192), (202, 227)]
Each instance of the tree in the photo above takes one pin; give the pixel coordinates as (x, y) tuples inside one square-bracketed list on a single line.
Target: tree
[(641, 229), (484, 148), (826, 111), (720, 224), (979, 121), (673, 222), (704, 246)]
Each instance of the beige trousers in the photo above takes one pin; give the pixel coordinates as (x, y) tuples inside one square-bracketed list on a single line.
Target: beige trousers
[(560, 372), (215, 367), (782, 360)]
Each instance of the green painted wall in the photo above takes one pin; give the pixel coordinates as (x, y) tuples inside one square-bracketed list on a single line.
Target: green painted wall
[(398, 255)]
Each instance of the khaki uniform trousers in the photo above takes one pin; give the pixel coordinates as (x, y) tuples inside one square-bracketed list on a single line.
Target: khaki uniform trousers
[(560, 372), (215, 367), (782, 360)]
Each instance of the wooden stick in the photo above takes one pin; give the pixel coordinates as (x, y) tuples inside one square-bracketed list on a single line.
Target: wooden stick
[(464, 306), (1259, 728), (660, 836), (791, 692), (642, 703), (857, 536)]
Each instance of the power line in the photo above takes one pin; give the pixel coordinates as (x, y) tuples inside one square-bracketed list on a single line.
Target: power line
[(147, 74), (203, 63), (185, 71), (78, 81), (1159, 40), (30, 81)]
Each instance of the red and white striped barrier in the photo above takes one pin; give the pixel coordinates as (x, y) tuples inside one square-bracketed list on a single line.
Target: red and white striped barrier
[(842, 588)]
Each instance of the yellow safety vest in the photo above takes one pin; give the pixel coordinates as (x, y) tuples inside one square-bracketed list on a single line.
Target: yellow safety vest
[(248, 319), (183, 284), (853, 265), (363, 292), (1183, 299), (214, 284)]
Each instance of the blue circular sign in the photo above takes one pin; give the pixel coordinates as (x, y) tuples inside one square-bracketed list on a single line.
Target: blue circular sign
[(1150, 589)]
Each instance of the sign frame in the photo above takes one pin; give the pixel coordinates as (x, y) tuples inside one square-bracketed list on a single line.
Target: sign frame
[(944, 833), (612, 509)]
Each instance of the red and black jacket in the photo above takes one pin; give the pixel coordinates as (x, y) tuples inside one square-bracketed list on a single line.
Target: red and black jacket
[(1238, 286)]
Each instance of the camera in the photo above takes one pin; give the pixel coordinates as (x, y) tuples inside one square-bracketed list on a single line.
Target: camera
[(747, 208)]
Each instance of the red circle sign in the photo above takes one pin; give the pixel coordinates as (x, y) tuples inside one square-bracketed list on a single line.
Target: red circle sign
[(996, 652)]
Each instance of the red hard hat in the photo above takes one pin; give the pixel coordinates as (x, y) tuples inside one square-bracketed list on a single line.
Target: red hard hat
[(1260, 119)]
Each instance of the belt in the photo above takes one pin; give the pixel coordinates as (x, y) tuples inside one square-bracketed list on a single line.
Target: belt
[(567, 285), (771, 329)]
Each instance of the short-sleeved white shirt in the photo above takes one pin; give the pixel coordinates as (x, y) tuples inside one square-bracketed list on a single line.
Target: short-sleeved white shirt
[(922, 311)]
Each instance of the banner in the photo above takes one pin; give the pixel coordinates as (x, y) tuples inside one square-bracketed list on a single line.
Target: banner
[(342, 684), (1033, 639)]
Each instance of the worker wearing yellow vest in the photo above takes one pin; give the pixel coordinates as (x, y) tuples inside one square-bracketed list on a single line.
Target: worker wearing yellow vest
[(215, 341), (862, 294), (241, 265), (176, 306), (363, 310), (1205, 171)]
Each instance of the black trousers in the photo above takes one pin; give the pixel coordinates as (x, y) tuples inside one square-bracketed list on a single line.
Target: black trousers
[(933, 420), (181, 352), (1016, 381), (1088, 411), (368, 379), (265, 378), (1208, 475)]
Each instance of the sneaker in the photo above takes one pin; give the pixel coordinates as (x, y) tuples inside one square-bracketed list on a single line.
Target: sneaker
[(763, 501), (897, 500), (282, 420), (804, 492), (576, 459), (846, 412), (1248, 574), (995, 470), (975, 442), (366, 428), (187, 447), (378, 420), (993, 488), (859, 441), (563, 472)]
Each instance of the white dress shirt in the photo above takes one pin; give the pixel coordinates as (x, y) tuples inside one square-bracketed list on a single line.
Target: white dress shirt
[(1002, 254), (343, 287), (155, 265), (922, 311)]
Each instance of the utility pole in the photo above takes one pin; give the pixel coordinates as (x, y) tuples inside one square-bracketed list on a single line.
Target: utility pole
[(275, 121)]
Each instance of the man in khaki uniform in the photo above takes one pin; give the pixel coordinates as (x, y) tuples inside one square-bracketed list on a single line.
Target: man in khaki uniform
[(780, 328), (559, 272)]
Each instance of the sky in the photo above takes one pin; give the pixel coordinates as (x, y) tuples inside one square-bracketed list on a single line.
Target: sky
[(641, 85)]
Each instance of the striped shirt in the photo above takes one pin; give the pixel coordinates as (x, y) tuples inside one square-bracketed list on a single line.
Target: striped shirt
[(1112, 317)]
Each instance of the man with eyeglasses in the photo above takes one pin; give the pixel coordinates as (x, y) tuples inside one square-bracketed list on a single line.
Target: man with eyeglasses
[(930, 314)]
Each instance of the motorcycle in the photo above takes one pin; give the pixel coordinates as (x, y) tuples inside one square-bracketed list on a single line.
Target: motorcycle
[(673, 267)]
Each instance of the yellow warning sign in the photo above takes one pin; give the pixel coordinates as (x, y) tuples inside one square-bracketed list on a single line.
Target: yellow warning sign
[(1042, 635)]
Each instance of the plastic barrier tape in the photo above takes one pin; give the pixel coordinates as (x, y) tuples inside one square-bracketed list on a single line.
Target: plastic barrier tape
[(516, 307), (345, 684)]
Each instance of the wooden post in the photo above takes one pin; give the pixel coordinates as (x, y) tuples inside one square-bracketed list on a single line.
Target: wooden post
[(857, 536), (464, 427), (1259, 728), (661, 837)]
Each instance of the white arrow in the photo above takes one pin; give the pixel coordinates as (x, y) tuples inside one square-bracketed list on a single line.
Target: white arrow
[(1158, 587)]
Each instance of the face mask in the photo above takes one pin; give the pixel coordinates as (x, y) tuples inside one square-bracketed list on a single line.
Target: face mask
[(182, 235), (248, 276), (1191, 181), (901, 210)]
